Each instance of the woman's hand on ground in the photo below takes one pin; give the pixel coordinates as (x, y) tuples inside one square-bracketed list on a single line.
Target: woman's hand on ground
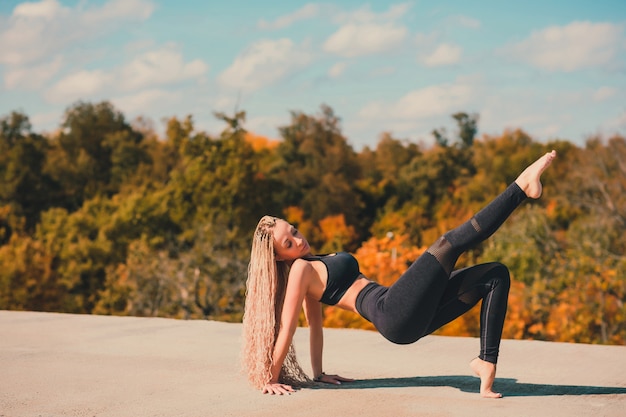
[(332, 379), (276, 388)]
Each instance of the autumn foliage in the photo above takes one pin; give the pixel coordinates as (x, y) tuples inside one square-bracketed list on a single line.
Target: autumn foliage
[(104, 216)]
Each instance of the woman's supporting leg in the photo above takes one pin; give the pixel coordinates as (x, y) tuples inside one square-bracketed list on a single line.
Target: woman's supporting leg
[(487, 282)]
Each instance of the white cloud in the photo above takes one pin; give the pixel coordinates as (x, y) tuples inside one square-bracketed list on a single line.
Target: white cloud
[(352, 40), (336, 70), (308, 11), (140, 102), (40, 30), (569, 48), (33, 77), (264, 63), (432, 101), (508, 110), (365, 15), (397, 11), (32, 32), (158, 67), (47, 121), (78, 85), (226, 102), (135, 47), (542, 113), (115, 10), (604, 93), (266, 125), (444, 54), (46, 9), (363, 32)]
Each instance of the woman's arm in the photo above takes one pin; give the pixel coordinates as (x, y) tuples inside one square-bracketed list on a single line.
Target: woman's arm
[(296, 290), (297, 287), (313, 312)]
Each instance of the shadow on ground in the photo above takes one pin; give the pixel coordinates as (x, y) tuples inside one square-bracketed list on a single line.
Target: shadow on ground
[(510, 387)]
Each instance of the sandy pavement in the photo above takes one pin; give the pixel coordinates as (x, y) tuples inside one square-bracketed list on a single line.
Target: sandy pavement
[(80, 365)]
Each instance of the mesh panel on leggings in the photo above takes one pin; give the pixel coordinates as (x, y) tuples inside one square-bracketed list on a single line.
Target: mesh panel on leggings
[(475, 224), (442, 251)]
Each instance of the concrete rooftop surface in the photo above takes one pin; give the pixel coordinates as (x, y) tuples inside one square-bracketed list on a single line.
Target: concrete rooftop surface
[(84, 365)]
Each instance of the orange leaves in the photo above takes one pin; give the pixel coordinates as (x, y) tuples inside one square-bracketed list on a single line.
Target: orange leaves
[(336, 317), (333, 226), (551, 208), (336, 233), (590, 309), (124, 239), (385, 259), (468, 325), (518, 316), (259, 142)]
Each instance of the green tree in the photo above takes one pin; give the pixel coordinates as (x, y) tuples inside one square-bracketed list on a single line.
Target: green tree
[(317, 169), (597, 189), (23, 183), (28, 280), (459, 151), (382, 185), (204, 281), (94, 153), (217, 182), (80, 250)]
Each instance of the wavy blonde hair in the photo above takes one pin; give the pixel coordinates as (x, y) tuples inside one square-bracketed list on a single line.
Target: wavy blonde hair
[(265, 293)]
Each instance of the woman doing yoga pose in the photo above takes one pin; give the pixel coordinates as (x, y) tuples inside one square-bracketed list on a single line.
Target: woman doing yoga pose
[(284, 277)]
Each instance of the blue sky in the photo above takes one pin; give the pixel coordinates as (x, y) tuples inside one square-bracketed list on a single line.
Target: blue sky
[(556, 69)]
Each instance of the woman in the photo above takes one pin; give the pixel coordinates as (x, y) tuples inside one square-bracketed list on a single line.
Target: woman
[(283, 277)]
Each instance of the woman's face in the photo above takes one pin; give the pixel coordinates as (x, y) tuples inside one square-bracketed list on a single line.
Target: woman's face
[(289, 244)]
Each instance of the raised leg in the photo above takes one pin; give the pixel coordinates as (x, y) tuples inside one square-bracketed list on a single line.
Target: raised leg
[(452, 244)]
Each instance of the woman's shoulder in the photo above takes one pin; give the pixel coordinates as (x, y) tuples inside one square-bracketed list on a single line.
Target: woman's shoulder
[(301, 272), (301, 265)]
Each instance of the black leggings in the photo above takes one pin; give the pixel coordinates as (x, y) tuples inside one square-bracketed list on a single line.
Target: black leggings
[(429, 295)]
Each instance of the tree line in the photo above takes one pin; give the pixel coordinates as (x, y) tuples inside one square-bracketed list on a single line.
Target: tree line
[(104, 216)]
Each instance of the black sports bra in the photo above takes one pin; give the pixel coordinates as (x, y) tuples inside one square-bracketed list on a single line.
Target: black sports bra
[(343, 270)]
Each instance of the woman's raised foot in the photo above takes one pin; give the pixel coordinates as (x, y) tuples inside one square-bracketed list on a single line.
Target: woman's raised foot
[(530, 179)]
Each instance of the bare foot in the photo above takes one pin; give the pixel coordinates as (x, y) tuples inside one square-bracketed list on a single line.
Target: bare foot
[(530, 179), (486, 371)]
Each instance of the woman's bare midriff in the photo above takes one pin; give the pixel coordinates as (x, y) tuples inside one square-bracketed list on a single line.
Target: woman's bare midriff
[(348, 301)]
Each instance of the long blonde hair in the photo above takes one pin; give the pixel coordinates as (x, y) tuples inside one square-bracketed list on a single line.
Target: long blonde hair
[(265, 294)]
